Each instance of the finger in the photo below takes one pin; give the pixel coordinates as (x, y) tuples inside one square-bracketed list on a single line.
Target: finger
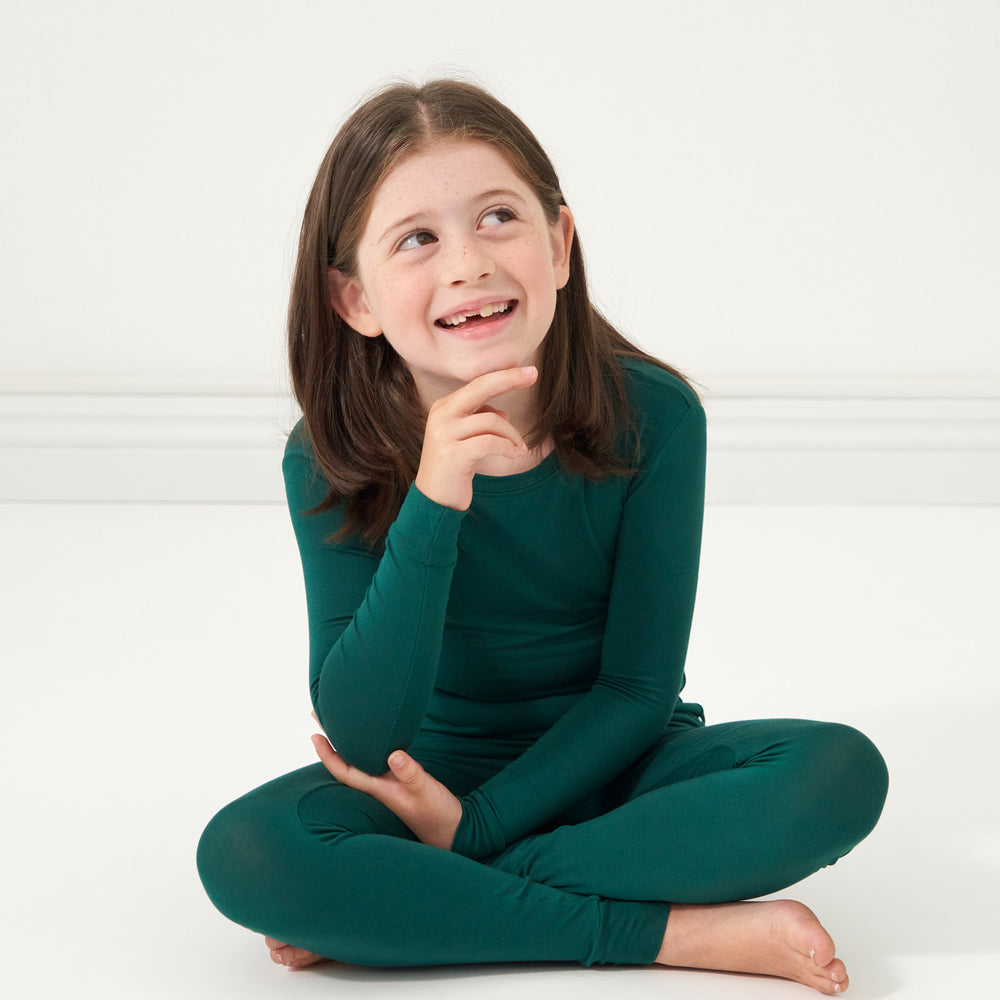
[(334, 763), (339, 768), (406, 769), (482, 445), (487, 423), (484, 387), (486, 408)]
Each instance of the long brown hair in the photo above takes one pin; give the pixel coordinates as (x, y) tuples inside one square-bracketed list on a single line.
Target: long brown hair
[(359, 401)]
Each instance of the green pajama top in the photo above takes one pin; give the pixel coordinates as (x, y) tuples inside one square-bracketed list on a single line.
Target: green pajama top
[(545, 627)]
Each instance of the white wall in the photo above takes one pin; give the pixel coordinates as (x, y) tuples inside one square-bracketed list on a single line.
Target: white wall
[(787, 199)]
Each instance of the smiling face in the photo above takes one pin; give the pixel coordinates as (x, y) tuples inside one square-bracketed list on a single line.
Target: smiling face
[(457, 267)]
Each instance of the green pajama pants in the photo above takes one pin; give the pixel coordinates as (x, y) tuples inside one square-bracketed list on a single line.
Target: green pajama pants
[(708, 814)]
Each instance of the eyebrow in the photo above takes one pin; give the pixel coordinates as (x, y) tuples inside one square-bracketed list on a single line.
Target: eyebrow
[(505, 193)]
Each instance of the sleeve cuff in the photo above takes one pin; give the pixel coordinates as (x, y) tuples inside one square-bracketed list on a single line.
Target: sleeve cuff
[(427, 530), (479, 832)]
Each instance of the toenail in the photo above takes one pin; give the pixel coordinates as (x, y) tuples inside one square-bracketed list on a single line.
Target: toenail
[(278, 958)]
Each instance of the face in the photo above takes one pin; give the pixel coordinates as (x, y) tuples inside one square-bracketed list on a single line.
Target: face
[(458, 267)]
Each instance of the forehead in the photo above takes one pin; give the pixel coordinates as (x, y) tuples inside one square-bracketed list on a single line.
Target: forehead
[(444, 173)]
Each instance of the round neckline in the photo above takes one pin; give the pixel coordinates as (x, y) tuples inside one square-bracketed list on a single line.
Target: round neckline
[(517, 480)]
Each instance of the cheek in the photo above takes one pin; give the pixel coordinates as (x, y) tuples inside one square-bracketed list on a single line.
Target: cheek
[(386, 291), (399, 301)]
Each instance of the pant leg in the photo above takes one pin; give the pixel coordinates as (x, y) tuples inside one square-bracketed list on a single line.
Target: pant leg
[(311, 862), (718, 813)]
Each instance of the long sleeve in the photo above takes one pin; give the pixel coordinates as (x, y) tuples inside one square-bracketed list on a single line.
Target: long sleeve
[(375, 619), (642, 658)]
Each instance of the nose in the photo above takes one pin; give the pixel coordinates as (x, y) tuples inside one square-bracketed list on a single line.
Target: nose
[(469, 261)]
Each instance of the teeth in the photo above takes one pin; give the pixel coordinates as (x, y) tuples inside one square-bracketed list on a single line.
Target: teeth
[(484, 312)]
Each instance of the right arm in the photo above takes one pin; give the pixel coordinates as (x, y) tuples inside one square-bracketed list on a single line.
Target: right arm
[(376, 623)]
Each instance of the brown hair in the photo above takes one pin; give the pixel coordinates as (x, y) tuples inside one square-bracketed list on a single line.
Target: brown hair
[(360, 405)]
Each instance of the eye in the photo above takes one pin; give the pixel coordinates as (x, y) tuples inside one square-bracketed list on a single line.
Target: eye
[(418, 238), (497, 216)]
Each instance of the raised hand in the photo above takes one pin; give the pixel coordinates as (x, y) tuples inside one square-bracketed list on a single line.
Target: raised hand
[(426, 806), (462, 429)]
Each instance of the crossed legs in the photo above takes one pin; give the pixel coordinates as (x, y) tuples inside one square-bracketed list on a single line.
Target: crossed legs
[(708, 816)]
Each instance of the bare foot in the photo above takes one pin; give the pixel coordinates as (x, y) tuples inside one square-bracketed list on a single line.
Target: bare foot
[(290, 956), (772, 938)]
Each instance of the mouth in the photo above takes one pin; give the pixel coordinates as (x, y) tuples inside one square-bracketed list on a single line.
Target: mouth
[(468, 320)]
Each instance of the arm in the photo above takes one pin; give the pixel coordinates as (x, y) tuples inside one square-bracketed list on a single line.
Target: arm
[(642, 657), (375, 624)]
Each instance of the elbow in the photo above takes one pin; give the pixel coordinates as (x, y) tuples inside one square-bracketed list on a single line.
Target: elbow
[(358, 738), (363, 753)]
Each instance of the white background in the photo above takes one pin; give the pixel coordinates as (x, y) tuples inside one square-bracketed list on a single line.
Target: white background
[(768, 190), (154, 668), (791, 200)]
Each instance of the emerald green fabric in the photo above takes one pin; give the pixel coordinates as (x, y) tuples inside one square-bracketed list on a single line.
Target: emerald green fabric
[(530, 654)]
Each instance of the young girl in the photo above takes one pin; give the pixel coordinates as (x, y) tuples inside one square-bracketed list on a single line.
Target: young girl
[(498, 502)]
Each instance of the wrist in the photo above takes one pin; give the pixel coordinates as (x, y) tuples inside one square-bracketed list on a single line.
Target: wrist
[(444, 494)]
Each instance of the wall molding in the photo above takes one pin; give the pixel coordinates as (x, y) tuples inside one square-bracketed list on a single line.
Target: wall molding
[(770, 442)]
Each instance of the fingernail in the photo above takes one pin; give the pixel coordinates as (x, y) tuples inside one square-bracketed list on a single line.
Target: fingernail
[(396, 760), (530, 370)]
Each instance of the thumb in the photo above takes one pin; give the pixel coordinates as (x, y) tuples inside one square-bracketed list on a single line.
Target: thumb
[(405, 768)]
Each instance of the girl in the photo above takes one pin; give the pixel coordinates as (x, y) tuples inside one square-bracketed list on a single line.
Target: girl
[(498, 503)]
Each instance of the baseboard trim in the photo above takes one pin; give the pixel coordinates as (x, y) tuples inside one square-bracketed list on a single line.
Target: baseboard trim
[(899, 447)]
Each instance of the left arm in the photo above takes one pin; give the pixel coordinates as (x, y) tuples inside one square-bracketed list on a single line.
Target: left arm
[(642, 657)]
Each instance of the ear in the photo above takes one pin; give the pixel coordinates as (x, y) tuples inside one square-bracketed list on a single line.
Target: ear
[(349, 303), (561, 233)]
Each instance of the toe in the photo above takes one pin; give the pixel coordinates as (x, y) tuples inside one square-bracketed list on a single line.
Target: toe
[(836, 971), (821, 947), (298, 958), (832, 981), (801, 928)]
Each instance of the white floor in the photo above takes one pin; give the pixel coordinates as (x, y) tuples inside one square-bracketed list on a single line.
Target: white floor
[(154, 668)]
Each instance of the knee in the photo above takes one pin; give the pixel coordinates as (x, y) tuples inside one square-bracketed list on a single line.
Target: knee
[(228, 852), (855, 778)]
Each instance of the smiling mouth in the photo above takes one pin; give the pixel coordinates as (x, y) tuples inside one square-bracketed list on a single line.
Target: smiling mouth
[(463, 320)]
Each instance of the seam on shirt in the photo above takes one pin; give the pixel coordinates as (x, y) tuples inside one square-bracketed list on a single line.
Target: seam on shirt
[(638, 482)]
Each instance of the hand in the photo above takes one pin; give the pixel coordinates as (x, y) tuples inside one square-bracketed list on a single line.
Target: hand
[(420, 801), (462, 429)]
